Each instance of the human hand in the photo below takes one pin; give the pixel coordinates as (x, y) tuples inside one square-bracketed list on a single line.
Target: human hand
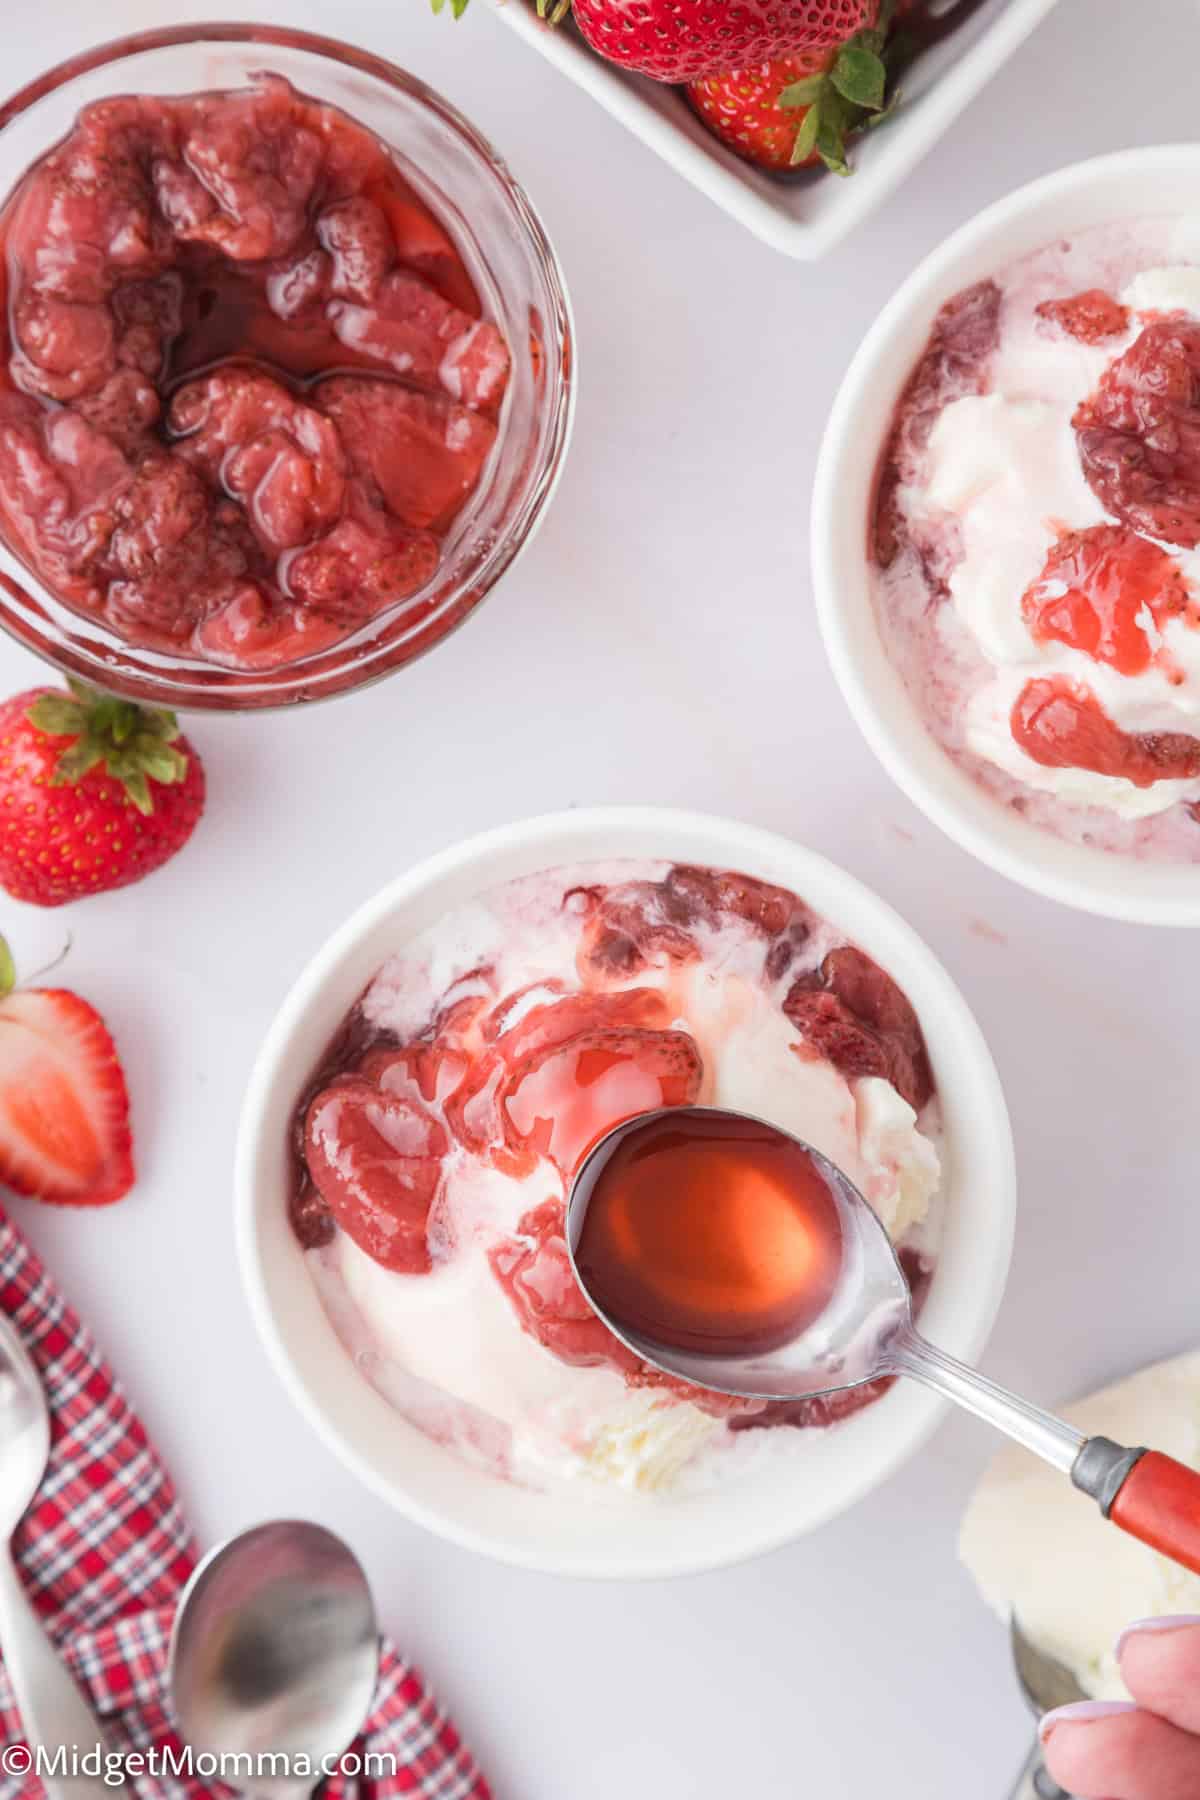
[(1145, 1750)]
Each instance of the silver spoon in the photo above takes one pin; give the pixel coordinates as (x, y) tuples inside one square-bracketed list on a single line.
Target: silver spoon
[(274, 1657), (866, 1330), (54, 1713), (1045, 1683)]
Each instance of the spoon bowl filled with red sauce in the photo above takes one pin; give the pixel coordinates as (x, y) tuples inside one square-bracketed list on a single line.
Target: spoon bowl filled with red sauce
[(284, 367)]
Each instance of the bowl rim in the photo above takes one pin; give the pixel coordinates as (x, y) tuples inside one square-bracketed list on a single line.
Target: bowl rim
[(192, 685), (559, 838), (1105, 883)]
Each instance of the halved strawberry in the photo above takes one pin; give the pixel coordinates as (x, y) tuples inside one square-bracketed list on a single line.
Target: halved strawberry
[(64, 1107)]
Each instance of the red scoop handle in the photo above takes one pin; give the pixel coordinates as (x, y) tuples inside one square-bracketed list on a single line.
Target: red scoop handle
[(1159, 1503)]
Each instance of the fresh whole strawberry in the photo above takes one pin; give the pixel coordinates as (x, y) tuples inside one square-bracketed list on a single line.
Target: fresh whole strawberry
[(94, 793), (680, 40), (800, 108), (64, 1107)]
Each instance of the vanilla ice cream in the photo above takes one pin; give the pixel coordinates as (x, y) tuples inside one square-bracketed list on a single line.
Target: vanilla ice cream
[(983, 479), (447, 1343), (1039, 1548)]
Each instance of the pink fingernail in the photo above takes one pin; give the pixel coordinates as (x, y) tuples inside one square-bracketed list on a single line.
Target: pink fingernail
[(1170, 1622), (1082, 1712)]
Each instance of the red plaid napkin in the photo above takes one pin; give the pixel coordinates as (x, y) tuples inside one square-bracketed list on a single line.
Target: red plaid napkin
[(105, 1551)]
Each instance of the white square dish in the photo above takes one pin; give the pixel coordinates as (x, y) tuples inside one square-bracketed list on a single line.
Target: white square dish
[(804, 215)]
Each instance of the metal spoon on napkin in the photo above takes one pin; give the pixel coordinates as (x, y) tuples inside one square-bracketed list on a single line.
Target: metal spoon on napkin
[(54, 1713), (274, 1657)]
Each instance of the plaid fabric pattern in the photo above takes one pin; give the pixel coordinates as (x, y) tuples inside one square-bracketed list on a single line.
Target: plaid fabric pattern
[(105, 1551)]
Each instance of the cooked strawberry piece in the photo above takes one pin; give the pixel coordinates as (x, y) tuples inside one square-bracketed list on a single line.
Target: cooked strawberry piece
[(640, 922), (422, 453), (835, 1032), (1139, 433), (629, 927), (361, 250), (148, 316), (369, 561), (124, 409), (413, 331), (174, 556), (281, 459), (543, 1027), (300, 285), (376, 1159), (853, 1014), (423, 245), (1062, 725), (254, 162), (424, 1072), (954, 363), (87, 234), (559, 1099), (1099, 591), (473, 1110), (508, 1012), (535, 1272), (59, 479), (1091, 316), (66, 348), (64, 1109), (713, 894)]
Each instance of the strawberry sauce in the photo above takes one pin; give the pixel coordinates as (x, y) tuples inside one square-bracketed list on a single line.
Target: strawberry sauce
[(713, 1234), (245, 384), (1099, 592), (1063, 726)]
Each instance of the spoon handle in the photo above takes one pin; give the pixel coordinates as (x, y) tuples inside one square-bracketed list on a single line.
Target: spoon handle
[(1056, 1442), (54, 1714), (1150, 1496)]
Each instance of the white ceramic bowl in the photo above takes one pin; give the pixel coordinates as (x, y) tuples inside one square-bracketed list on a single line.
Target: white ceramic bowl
[(1127, 184), (570, 1536), (806, 216)]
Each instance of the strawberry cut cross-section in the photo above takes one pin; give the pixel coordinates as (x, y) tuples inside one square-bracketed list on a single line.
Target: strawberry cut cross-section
[(64, 1108)]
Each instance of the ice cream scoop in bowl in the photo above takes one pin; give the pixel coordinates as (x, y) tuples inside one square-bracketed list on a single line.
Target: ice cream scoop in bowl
[(731, 1255)]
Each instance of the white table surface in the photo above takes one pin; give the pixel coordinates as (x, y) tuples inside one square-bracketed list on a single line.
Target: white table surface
[(657, 643)]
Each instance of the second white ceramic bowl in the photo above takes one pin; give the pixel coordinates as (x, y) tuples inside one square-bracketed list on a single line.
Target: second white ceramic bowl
[(569, 1535), (1125, 185)]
